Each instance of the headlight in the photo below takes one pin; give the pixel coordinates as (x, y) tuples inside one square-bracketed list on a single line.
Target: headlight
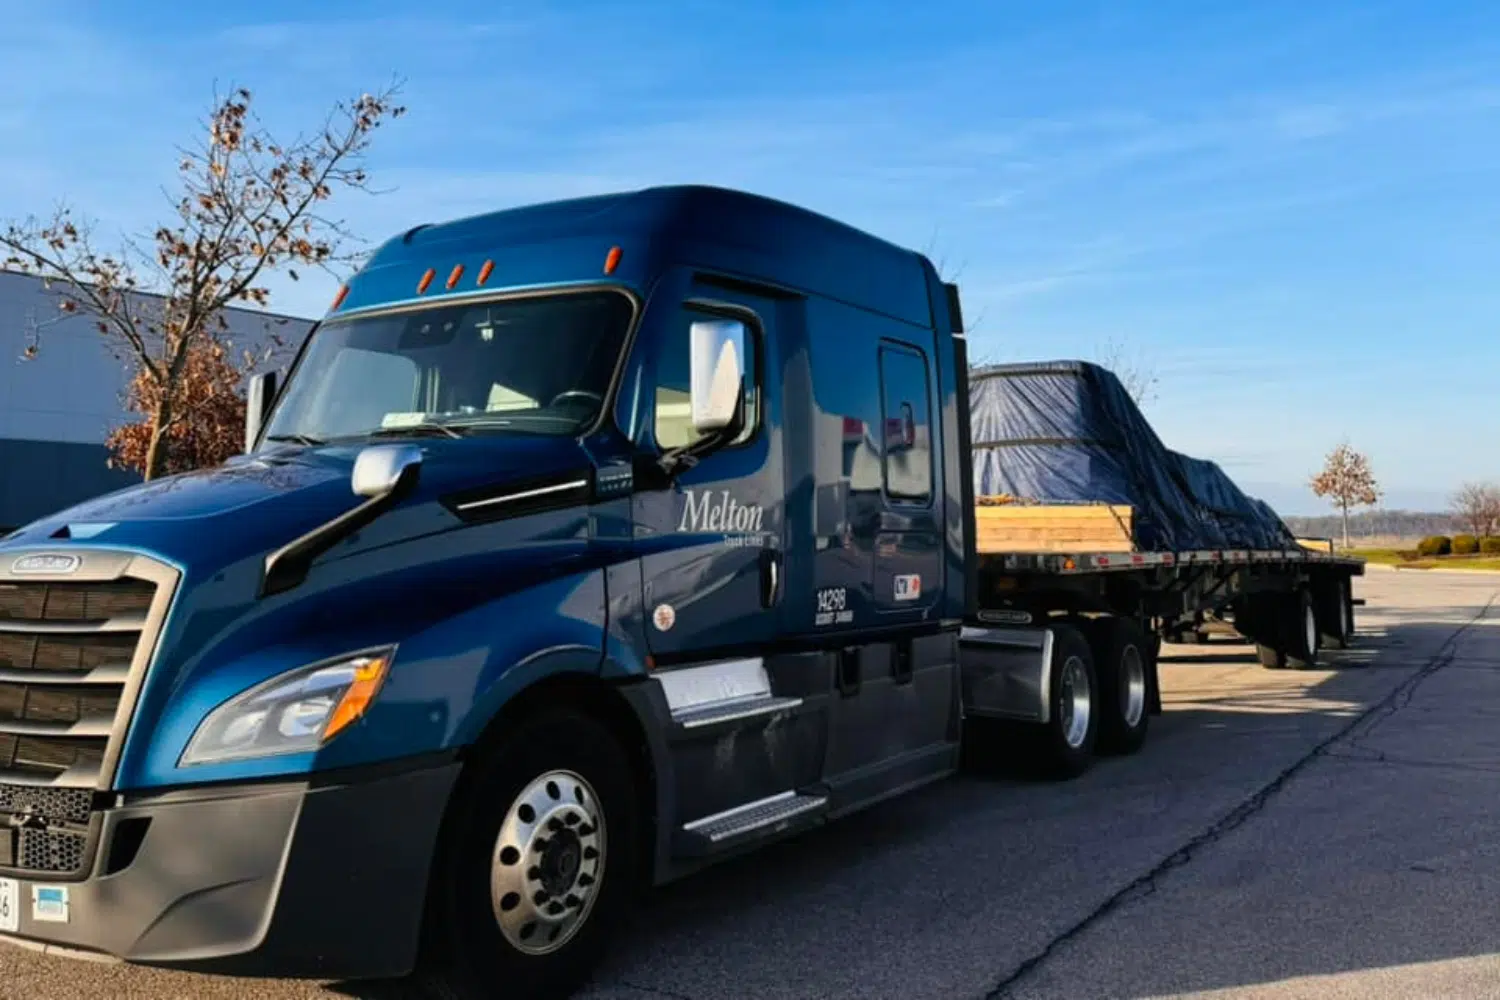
[(293, 713)]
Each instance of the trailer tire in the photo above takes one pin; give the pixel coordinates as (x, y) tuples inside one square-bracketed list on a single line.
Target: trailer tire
[(1294, 637), (1124, 665), (1336, 615), (544, 823), (1067, 739), (1304, 641)]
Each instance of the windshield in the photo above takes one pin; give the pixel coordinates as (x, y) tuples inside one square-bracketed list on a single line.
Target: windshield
[(538, 365)]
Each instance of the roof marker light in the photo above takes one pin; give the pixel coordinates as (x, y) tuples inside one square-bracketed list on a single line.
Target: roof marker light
[(426, 280), (484, 272), (338, 299), (454, 275), (611, 260)]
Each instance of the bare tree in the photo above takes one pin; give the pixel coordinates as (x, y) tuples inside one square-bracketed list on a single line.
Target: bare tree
[(1347, 481), (1138, 377), (248, 206), (1477, 507)]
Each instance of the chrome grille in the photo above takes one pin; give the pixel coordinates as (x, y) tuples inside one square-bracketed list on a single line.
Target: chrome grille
[(72, 655)]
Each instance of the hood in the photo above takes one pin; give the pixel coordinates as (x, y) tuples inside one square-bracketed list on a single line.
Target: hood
[(213, 517)]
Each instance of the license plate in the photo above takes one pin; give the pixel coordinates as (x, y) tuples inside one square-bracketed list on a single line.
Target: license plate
[(10, 906)]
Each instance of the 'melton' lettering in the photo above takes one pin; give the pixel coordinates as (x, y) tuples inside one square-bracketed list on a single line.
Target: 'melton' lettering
[(702, 513)]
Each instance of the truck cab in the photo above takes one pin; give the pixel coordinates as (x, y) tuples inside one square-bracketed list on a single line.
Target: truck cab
[(584, 545)]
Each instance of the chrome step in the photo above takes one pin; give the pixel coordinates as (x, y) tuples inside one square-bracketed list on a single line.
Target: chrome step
[(768, 814), (731, 711), (721, 691)]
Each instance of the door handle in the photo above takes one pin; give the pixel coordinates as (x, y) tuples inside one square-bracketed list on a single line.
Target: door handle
[(770, 576)]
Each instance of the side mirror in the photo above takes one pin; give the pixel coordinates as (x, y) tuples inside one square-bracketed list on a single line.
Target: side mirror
[(718, 373), (384, 468), (258, 406)]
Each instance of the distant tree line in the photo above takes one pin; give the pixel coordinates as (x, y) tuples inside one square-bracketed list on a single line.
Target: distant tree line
[(1375, 524)]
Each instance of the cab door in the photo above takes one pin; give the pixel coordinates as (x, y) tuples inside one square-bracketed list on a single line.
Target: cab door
[(713, 538)]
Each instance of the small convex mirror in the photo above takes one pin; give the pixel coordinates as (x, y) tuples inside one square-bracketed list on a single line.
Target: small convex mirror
[(258, 402), (380, 468), (718, 373)]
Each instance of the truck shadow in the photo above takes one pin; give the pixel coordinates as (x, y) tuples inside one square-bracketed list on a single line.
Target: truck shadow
[(946, 891)]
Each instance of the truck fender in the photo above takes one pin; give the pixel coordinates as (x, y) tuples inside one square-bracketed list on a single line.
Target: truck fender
[(554, 663)]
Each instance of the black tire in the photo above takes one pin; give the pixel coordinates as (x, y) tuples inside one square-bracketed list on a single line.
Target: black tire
[(466, 955), (1124, 664), (1336, 615), (1287, 631), (1062, 753), (1303, 641)]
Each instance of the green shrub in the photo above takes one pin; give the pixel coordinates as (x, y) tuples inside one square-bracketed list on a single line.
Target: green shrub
[(1435, 545), (1490, 546), (1465, 545)]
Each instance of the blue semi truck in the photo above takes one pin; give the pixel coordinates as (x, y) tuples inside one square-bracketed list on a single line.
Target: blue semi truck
[(584, 545)]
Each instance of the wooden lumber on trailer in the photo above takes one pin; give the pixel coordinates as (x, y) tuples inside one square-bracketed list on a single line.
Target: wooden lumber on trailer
[(1006, 524)]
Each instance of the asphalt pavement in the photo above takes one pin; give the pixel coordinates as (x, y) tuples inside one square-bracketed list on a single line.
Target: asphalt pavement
[(1319, 833)]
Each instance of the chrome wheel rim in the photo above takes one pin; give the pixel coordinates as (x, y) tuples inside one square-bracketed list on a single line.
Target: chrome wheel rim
[(548, 863), (1076, 704), (1133, 686)]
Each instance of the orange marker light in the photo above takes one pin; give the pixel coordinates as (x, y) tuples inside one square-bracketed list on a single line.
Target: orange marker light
[(338, 299), (484, 272), (368, 674), (454, 275), (426, 280), (611, 260)]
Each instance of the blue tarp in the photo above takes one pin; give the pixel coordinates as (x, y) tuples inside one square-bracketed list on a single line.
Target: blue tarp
[(1068, 432)]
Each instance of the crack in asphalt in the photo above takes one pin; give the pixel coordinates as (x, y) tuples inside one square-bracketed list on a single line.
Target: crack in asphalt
[(652, 990), (1143, 886)]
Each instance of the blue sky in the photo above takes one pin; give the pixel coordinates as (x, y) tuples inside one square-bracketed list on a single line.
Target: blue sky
[(1291, 215)]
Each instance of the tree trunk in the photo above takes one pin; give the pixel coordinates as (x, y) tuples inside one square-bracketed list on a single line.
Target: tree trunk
[(1345, 508), (156, 453)]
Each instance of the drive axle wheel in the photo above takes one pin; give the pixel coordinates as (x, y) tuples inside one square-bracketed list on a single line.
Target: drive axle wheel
[(1124, 666), (1067, 739)]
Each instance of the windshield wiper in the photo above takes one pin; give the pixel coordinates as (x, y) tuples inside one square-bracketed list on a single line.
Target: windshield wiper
[(417, 430), (303, 439)]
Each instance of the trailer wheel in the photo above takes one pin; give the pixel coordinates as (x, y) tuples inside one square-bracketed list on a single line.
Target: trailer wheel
[(537, 864), (1336, 615), (1071, 731), (1123, 663), (1294, 634), (1304, 640)]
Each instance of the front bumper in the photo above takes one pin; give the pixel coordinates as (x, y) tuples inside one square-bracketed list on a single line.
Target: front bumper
[(301, 880)]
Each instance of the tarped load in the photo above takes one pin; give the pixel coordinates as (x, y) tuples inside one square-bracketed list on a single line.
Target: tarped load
[(1068, 432), (1245, 522)]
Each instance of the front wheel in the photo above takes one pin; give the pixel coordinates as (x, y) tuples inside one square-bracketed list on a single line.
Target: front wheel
[(539, 861)]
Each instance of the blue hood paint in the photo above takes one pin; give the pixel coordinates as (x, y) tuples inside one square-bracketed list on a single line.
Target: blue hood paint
[(212, 518), (418, 577)]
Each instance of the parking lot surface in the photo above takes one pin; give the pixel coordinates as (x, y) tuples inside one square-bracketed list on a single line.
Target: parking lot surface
[(1318, 833)]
